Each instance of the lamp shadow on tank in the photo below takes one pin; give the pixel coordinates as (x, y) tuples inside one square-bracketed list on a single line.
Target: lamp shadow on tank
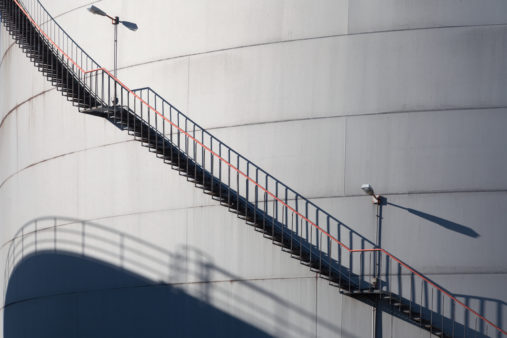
[(459, 228), (83, 278)]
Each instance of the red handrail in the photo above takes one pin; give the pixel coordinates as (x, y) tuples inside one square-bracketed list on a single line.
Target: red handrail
[(254, 182)]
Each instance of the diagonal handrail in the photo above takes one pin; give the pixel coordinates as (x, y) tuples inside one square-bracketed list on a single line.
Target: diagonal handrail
[(236, 168)]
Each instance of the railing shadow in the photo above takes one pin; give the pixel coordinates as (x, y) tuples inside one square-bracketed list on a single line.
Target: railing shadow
[(94, 87), (423, 300), (62, 294), (157, 266), (483, 304), (188, 264)]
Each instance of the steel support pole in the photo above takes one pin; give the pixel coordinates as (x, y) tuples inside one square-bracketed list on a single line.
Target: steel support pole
[(115, 70), (115, 66)]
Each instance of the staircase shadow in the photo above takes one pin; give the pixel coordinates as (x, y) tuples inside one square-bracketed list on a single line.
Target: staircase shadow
[(76, 256), (147, 265), (61, 294), (483, 303), (85, 92), (435, 306)]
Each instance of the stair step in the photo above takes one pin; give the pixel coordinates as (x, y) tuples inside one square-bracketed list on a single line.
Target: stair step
[(263, 231), (368, 292)]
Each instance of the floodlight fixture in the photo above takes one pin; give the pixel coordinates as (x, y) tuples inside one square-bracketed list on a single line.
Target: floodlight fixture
[(98, 11), (115, 21), (130, 25), (368, 190)]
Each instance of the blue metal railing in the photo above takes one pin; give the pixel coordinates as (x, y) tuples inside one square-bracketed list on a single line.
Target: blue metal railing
[(231, 177)]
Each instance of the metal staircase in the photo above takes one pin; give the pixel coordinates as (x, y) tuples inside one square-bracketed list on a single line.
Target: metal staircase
[(308, 233)]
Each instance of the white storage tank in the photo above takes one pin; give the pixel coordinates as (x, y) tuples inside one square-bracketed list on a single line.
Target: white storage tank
[(101, 238)]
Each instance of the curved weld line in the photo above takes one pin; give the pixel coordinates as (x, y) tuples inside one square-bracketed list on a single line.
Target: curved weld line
[(54, 158), (255, 183), (22, 103), (5, 53)]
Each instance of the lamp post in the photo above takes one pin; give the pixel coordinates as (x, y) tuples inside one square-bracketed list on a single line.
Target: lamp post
[(376, 310), (376, 199), (115, 21)]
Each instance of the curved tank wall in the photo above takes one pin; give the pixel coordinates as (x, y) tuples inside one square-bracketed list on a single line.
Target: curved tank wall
[(407, 96)]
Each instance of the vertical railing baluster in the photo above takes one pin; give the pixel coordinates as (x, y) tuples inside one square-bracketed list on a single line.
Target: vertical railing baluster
[(291, 232), (179, 136), (186, 149), (431, 312), (90, 94), (329, 247), (156, 117), (237, 185), (275, 211), (103, 87), (301, 242), (229, 178), (297, 213), (171, 126), (212, 164), (453, 318), (412, 291), (306, 229), (148, 112), (194, 152), (122, 105), (203, 159), (442, 314), (108, 91), (370, 270), (286, 208), (220, 171), (311, 237), (247, 201), (320, 252), (256, 194), (282, 226), (273, 222), (163, 131), (421, 304), (465, 324), (285, 223), (265, 204)]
